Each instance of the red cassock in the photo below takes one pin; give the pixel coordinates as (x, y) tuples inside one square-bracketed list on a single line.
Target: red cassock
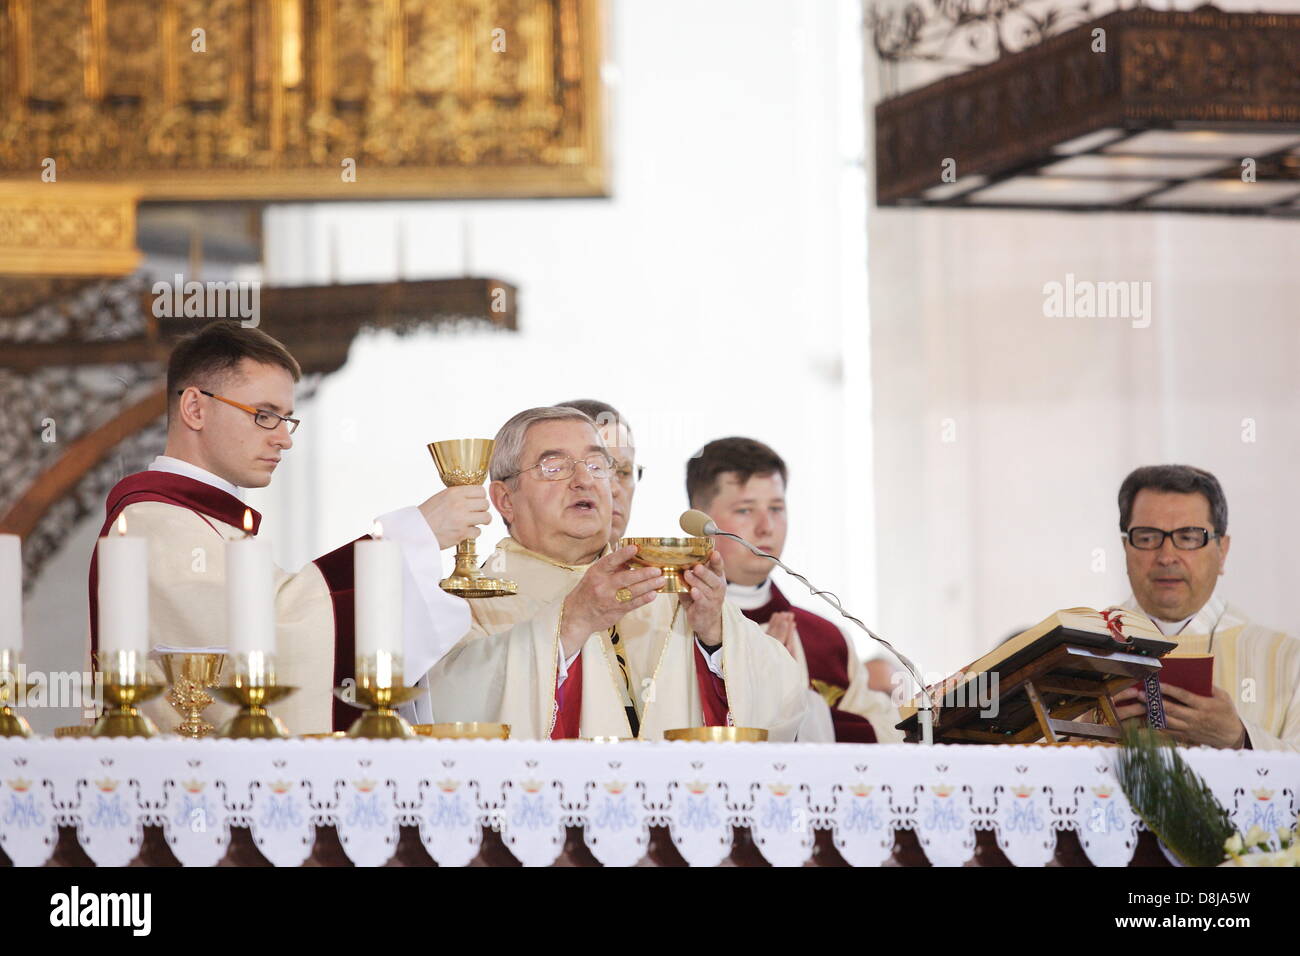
[(212, 503), (826, 650)]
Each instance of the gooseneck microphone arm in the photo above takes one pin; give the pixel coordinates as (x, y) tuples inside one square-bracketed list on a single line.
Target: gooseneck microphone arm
[(699, 524)]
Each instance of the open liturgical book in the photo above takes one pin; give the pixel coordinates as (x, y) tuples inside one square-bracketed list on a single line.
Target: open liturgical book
[(1068, 665)]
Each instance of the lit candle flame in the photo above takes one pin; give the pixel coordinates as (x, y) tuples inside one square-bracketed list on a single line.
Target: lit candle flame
[(248, 521), (377, 531), (121, 523)]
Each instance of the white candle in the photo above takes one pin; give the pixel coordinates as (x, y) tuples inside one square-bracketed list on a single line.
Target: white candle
[(250, 594), (11, 592), (377, 570), (123, 592)]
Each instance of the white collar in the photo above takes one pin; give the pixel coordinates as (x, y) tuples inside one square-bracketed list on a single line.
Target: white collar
[(1169, 628), (750, 597), (177, 466), (1204, 621)]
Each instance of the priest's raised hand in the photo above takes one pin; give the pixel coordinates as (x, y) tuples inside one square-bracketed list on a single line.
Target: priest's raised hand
[(456, 513)]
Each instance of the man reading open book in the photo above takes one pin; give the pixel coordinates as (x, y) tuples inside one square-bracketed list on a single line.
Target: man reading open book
[(1174, 520)]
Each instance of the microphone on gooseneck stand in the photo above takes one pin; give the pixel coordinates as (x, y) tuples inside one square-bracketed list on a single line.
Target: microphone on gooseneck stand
[(698, 525)]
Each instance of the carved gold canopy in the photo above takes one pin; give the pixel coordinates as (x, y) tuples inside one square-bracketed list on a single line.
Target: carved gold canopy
[(298, 99)]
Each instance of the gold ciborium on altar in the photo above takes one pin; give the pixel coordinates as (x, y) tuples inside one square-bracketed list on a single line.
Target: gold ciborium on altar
[(672, 556), (190, 675), (464, 461)]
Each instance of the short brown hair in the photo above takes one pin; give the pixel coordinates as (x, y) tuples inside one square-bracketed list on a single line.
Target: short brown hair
[(744, 456), (1180, 479), (217, 349)]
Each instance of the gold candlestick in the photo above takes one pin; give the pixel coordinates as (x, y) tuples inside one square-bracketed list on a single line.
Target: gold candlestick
[(12, 690), (379, 690), (253, 689), (125, 684), (464, 461), (190, 676)]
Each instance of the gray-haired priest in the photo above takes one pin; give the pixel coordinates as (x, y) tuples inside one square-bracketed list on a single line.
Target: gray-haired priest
[(587, 648)]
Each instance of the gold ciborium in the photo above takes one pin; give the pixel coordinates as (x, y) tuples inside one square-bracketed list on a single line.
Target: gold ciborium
[(190, 675), (672, 556), (464, 461)]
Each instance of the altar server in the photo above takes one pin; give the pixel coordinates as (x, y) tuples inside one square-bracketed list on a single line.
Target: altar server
[(587, 647), (1174, 521), (740, 483), (229, 421)]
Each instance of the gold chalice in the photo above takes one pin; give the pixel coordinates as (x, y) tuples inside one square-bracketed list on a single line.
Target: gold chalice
[(672, 556), (464, 461), (190, 676)]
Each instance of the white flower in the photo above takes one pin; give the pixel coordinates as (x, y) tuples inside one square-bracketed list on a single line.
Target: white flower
[(1233, 844)]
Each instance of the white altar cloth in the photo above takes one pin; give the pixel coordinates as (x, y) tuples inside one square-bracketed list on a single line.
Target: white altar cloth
[(530, 791)]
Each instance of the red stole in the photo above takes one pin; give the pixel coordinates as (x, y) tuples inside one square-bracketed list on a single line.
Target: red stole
[(568, 704), (713, 692), (209, 502), (827, 654)]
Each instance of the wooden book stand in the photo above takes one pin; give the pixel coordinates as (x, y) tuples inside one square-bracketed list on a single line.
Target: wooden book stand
[(1040, 691)]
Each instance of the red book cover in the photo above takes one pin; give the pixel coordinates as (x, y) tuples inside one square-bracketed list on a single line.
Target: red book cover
[(1194, 673)]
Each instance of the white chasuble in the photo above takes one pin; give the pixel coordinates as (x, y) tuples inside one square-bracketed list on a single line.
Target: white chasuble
[(1257, 666), (505, 669)]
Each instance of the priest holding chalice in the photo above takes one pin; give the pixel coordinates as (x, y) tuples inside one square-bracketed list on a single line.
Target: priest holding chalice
[(588, 646)]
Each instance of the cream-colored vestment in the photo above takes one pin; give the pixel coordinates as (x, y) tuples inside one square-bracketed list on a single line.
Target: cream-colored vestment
[(505, 668), (1257, 666)]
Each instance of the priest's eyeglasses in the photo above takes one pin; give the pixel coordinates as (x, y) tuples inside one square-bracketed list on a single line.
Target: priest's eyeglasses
[(1185, 539), (268, 420), (559, 467)]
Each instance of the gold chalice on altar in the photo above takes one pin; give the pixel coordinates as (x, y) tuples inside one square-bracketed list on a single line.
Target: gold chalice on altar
[(464, 461), (672, 556), (190, 675)]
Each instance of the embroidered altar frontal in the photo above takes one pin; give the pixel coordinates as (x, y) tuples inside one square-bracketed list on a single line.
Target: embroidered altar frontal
[(537, 803)]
